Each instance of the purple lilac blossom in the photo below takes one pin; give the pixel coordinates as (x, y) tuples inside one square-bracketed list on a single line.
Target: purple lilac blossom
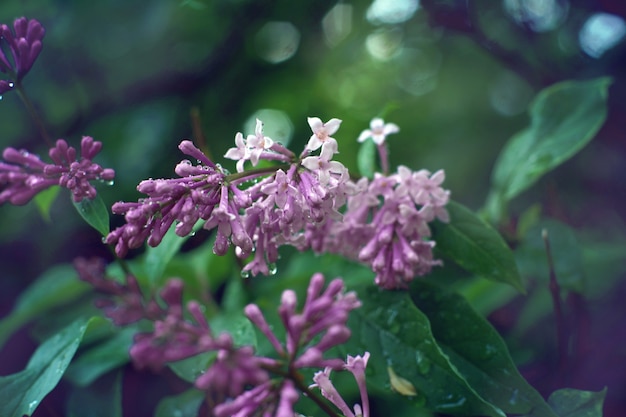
[(299, 203), (356, 365), (324, 314), (24, 43), (386, 225), (23, 175), (257, 218), (237, 381)]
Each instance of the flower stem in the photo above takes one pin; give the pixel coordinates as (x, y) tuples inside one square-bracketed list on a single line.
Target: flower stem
[(254, 172), (33, 114), (555, 290), (296, 377), (384, 158)]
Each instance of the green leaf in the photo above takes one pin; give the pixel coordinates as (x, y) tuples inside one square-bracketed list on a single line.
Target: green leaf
[(191, 368), (564, 118), (59, 285), (473, 244), (95, 214), (567, 255), (476, 351), (185, 404), (575, 403), (44, 200), (103, 398), (398, 336), (101, 358), (235, 324), (22, 392), (366, 159), (157, 258)]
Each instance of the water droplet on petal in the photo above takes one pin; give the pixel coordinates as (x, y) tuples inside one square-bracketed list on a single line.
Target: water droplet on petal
[(11, 85), (245, 274), (273, 269)]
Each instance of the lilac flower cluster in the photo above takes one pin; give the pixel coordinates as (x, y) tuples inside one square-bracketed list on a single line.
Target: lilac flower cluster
[(24, 44), (267, 214), (238, 382), (300, 202), (23, 175), (386, 225)]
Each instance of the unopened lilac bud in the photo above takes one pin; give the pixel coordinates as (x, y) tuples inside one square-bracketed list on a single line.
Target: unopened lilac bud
[(172, 292)]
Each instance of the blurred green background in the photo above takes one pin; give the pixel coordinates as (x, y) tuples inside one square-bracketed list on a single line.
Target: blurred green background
[(456, 76)]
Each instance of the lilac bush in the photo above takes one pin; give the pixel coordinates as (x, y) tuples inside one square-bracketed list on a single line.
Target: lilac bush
[(421, 340)]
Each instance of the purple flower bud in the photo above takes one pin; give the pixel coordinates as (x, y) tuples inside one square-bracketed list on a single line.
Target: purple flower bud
[(24, 46), (69, 172)]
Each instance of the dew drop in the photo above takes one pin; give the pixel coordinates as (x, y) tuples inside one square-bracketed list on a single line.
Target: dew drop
[(273, 269), (514, 397), (1, 98), (11, 85), (245, 274), (423, 363), (110, 182)]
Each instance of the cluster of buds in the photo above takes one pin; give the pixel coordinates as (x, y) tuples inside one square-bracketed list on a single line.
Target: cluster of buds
[(307, 201), (24, 43), (23, 175), (238, 382)]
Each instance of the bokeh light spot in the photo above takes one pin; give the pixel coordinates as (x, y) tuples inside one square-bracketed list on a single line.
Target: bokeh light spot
[(601, 32), (391, 11), (418, 69), (509, 95), (337, 24), (384, 44), (538, 15), (277, 41)]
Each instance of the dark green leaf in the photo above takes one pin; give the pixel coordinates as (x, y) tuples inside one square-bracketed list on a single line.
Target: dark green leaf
[(473, 244), (234, 296), (564, 118), (567, 256), (191, 368), (157, 258), (366, 159), (44, 200), (103, 398), (101, 358), (476, 350), (95, 214), (575, 403), (181, 405), (57, 286), (236, 324), (21, 393), (398, 336)]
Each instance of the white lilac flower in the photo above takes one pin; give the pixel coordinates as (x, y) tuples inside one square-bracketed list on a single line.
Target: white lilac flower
[(378, 131), (321, 132)]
